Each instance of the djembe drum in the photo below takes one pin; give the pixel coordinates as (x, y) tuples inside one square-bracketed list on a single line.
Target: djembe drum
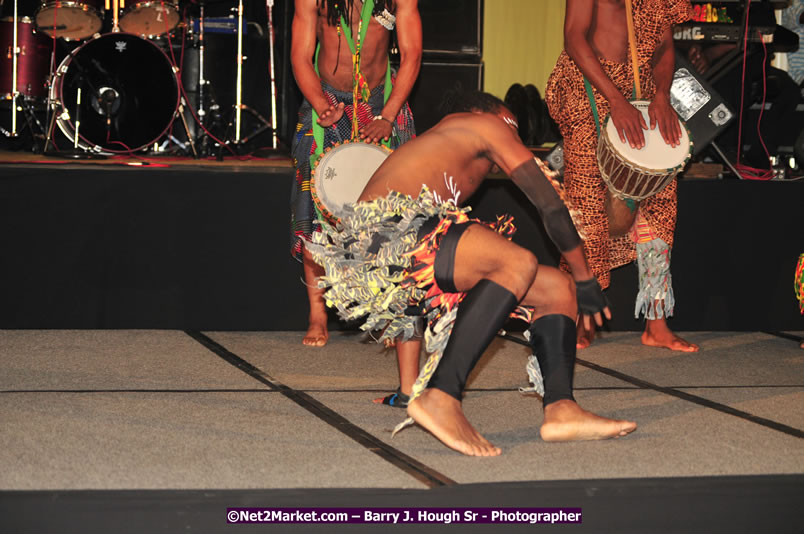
[(636, 174), (341, 173)]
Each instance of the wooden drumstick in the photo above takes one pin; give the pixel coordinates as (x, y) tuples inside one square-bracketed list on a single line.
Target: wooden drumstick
[(629, 17)]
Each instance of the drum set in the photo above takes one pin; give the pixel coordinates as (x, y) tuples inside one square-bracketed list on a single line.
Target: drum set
[(119, 91)]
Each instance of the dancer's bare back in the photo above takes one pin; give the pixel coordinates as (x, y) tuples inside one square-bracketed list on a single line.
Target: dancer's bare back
[(463, 146)]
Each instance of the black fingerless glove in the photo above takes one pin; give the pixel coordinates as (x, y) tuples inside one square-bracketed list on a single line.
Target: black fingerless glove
[(591, 299)]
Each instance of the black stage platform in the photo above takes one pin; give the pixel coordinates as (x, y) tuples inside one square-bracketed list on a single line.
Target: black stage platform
[(207, 247)]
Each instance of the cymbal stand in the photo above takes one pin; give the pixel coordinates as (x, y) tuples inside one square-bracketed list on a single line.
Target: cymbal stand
[(270, 6), (202, 82), (14, 66), (235, 122), (239, 86)]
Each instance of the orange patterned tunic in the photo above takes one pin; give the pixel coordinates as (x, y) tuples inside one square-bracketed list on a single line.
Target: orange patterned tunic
[(569, 106)]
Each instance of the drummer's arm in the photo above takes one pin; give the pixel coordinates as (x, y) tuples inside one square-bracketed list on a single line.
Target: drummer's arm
[(577, 24), (302, 49), (660, 111), (531, 179)]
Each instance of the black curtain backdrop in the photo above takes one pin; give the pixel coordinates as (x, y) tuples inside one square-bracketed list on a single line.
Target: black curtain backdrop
[(89, 247)]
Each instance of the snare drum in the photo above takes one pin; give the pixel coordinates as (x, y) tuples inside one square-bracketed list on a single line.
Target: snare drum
[(71, 20), (32, 60), (637, 174), (341, 173), (150, 19)]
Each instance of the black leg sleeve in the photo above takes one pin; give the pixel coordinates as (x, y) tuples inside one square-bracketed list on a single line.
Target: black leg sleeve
[(552, 338), (480, 316)]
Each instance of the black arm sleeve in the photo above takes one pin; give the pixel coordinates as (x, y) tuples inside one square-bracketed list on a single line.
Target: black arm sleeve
[(541, 193)]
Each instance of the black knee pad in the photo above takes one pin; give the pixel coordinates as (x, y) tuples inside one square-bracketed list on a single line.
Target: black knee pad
[(553, 339)]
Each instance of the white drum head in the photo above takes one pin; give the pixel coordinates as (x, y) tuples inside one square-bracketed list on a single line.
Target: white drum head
[(341, 174), (656, 154)]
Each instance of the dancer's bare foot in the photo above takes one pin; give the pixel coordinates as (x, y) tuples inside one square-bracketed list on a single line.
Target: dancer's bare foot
[(443, 416), (584, 336), (657, 334), (317, 334), (564, 420)]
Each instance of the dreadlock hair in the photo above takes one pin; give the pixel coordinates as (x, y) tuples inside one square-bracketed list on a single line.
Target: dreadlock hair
[(337, 7), (458, 100)]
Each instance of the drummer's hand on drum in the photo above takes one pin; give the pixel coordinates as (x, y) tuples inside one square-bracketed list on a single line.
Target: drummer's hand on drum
[(662, 113), (331, 115), (379, 128), (629, 123), (592, 303)]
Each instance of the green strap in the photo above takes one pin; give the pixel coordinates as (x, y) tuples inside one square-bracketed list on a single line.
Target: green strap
[(365, 14), (318, 130), (592, 103)]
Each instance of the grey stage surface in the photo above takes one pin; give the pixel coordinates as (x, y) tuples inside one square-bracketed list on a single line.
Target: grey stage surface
[(121, 410)]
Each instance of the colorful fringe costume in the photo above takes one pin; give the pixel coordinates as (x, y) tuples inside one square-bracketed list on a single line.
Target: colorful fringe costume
[(378, 267), (304, 220), (569, 106)]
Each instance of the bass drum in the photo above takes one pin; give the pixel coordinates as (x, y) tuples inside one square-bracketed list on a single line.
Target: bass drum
[(129, 93)]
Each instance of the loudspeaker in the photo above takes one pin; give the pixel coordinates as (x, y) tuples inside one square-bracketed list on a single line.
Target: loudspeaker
[(698, 104), (451, 27), (434, 79)]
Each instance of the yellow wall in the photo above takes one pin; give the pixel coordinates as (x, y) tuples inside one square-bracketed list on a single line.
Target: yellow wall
[(521, 42)]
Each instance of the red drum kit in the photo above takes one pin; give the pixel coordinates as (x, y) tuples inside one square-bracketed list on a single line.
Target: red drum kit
[(118, 91)]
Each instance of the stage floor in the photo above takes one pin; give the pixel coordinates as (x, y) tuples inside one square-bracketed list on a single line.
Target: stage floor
[(161, 431)]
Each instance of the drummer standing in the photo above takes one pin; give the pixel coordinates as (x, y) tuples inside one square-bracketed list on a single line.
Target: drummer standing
[(596, 49), (339, 54)]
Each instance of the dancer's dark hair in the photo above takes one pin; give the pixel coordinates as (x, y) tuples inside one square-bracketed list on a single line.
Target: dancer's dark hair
[(458, 100)]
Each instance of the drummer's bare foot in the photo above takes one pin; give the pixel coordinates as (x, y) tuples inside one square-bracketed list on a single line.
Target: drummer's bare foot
[(443, 416), (657, 334), (584, 337), (317, 334), (564, 420)]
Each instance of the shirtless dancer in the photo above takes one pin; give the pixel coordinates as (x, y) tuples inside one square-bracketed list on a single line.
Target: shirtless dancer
[(328, 91), (454, 259), (596, 46)]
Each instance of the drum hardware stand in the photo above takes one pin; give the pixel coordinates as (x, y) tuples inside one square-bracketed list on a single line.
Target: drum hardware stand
[(76, 152), (187, 128), (239, 107), (116, 6)]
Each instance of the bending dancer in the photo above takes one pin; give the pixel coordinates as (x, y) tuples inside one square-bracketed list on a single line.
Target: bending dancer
[(350, 64), (407, 249), (596, 49)]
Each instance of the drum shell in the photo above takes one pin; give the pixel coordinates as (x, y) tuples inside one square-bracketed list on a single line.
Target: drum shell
[(140, 74), (32, 61), (626, 180), (73, 20), (151, 18)]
